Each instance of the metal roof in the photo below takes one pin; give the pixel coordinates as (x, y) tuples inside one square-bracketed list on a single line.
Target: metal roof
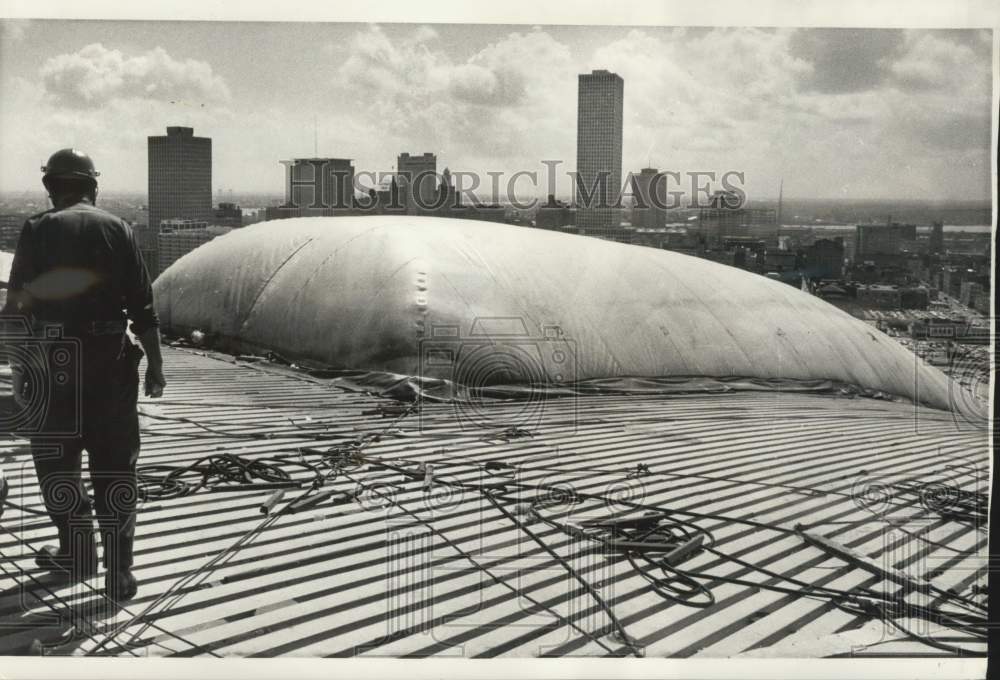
[(446, 573)]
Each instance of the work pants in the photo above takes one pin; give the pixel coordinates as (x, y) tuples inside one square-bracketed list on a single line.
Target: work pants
[(103, 401)]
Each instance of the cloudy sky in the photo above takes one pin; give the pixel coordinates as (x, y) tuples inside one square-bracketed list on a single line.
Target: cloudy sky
[(835, 112)]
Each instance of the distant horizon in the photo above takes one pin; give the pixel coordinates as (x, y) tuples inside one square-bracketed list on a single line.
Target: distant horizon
[(279, 195)]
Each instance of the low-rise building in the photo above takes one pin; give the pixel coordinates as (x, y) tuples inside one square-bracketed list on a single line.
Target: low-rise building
[(10, 229), (553, 215), (175, 244), (228, 215), (959, 330), (893, 297), (884, 297), (779, 261), (824, 259)]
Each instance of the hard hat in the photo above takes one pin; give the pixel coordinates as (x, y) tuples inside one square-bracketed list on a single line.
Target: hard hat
[(69, 163)]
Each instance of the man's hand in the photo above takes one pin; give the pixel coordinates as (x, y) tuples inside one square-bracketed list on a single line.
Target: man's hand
[(155, 382), (150, 341)]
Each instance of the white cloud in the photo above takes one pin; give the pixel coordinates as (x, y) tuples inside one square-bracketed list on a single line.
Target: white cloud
[(932, 62), (424, 34), (510, 103), (695, 99), (706, 100), (13, 30), (96, 75)]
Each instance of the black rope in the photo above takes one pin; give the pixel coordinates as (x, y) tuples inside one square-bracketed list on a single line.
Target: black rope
[(216, 472)]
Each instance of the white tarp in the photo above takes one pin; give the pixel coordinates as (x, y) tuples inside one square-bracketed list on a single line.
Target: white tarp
[(422, 295)]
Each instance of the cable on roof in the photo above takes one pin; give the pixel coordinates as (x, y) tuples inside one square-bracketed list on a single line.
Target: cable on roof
[(615, 621), (217, 472), (681, 586), (229, 471)]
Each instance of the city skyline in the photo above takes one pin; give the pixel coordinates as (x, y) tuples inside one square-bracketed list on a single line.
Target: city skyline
[(905, 114)]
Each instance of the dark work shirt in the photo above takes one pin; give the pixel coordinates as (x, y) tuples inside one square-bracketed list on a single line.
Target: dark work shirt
[(77, 265)]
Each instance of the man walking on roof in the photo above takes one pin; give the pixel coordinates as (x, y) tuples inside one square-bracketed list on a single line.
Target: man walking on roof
[(77, 269)]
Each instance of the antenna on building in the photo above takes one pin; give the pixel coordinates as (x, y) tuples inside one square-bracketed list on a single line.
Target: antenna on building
[(781, 196)]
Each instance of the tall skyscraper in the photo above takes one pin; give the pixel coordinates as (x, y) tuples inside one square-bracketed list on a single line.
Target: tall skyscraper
[(421, 174), (180, 177), (599, 153)]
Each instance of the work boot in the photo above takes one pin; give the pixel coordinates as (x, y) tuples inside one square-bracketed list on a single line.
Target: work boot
[(78, 567), (120, 586)]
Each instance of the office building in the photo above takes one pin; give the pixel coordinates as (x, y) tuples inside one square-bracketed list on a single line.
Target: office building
[(228, 215), (936, 244), (727, 217), (422, 181), (649, 191), (600, 99), (968, 290), (10, 230), (553, 215), (448, 198), (173, 244), (319, 184), (316, 187), (170, 226), (884, 239), (779, 261), (881, 296), (148, 239), (388, 197), (180, 180), (824, 259), (489, 212)]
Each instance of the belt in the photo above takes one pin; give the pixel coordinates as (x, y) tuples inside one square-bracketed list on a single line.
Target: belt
[(83, 327)]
